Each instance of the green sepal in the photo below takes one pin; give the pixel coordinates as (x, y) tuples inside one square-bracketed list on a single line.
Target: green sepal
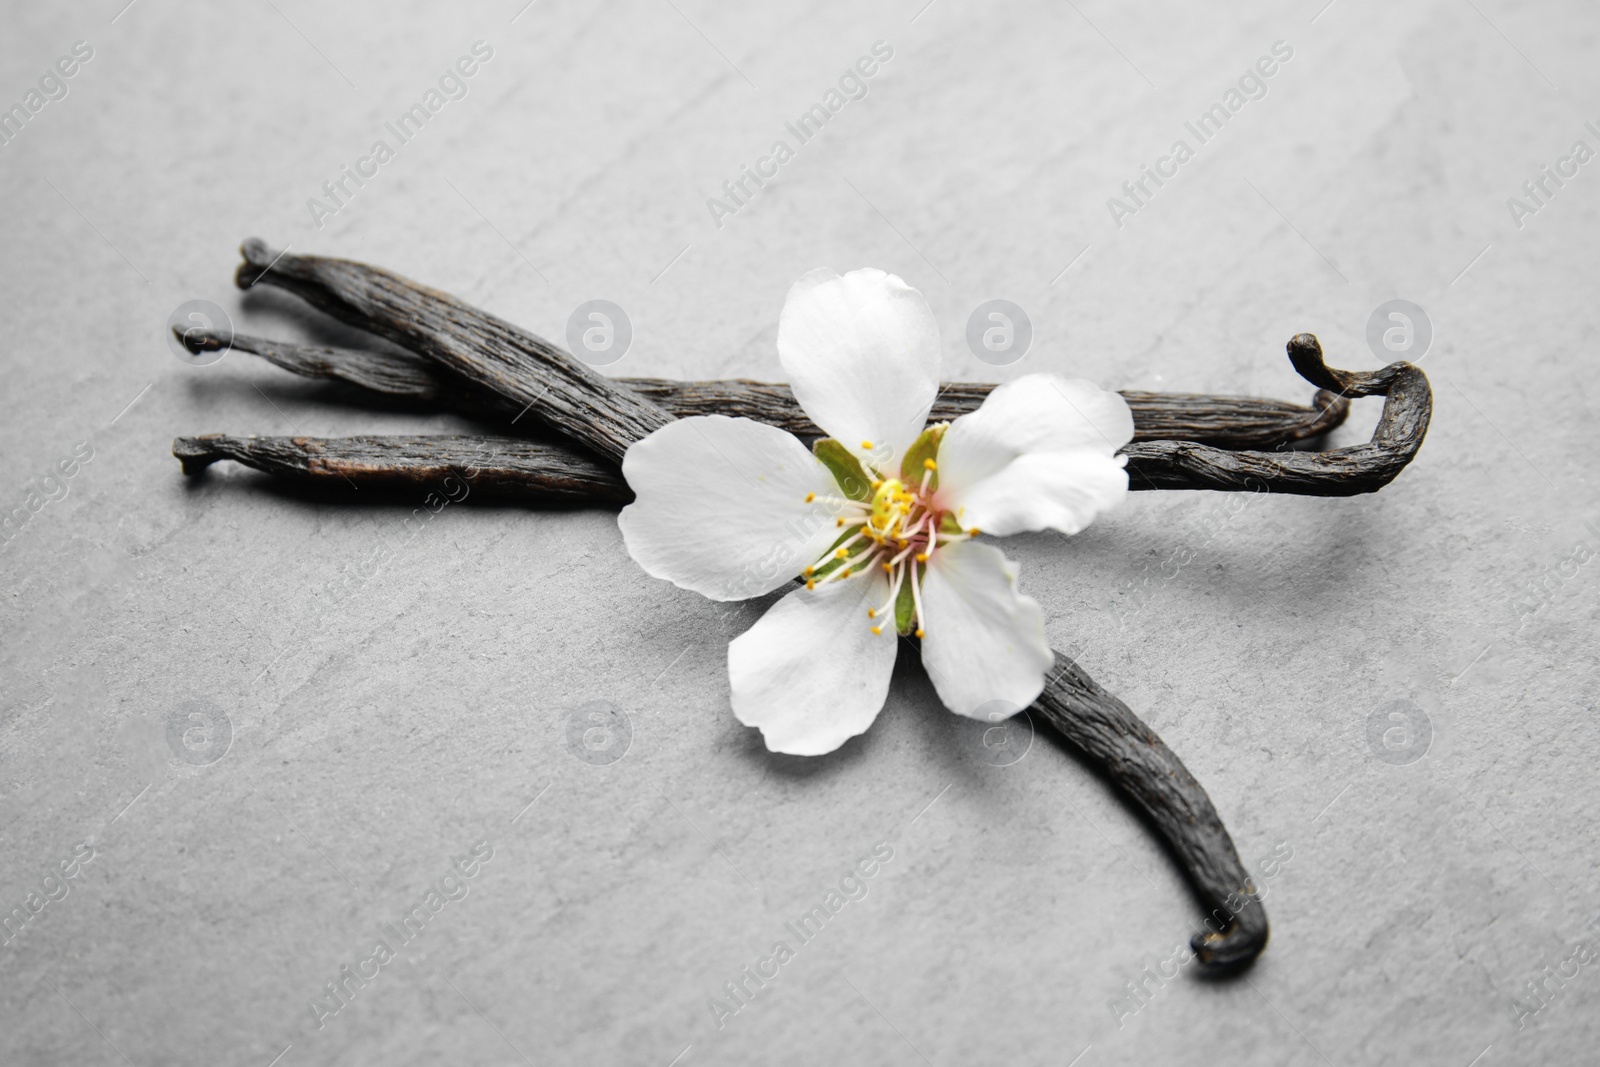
[(845, 468), (926, 446), (905, 615), (949, 525)]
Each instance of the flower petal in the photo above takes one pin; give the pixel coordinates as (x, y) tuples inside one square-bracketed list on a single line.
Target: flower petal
[(1045, 491), (984, 641), (811, 673), (721, 506), (1074, 422), (862, 355)]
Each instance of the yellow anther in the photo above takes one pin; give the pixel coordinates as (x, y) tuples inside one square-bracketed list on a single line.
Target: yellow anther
[(841, 554), (888, 568), (811, 583), (929, 465), (809, 571), (872, 613), (846, 574), (877, 629), (810, 497), (876, 485), (920, 633), (974, 532), (838, 522), (922, 557), (866, 444)]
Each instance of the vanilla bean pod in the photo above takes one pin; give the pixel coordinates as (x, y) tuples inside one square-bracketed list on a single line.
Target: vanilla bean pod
[(1223, 421), (495, 356), (498, 468), (1366, 468), (585, 407), (1152, 776), (1151, 464), (402, 376)]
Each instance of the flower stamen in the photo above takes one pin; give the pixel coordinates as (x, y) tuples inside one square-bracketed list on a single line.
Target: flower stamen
[(916, 598), (894, 595), (837, 502)]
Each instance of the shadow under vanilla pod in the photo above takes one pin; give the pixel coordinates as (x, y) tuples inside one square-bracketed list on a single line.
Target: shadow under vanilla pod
[(464, 359)]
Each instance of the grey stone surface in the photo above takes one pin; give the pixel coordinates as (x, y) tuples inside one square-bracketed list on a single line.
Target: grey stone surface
[(396, 695)]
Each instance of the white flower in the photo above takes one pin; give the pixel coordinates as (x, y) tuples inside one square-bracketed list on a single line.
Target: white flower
[(879, 521)]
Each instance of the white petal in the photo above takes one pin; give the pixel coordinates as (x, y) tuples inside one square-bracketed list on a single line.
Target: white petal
[(984, 641), (862, 355), (721, 506), (1035, 413), (992, 470), (1045, 491), (812, 674)]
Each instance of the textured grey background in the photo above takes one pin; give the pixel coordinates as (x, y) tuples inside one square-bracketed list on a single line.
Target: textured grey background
[(381, 731)]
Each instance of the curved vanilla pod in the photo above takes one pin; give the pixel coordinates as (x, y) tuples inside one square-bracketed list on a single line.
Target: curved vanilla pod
[(1154, 779), (1364, 468)]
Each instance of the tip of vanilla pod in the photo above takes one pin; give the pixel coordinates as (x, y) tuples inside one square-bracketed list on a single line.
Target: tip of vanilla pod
[(198, 339), (196, 453), (258, 256)]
